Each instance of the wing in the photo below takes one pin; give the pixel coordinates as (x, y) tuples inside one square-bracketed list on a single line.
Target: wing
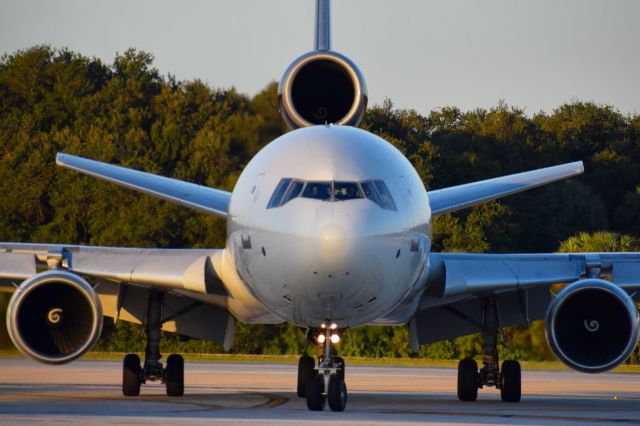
[(196, 302), (194, 296), (198, 197), (172, 269), (456, 274), (456, 283), (459, 197)]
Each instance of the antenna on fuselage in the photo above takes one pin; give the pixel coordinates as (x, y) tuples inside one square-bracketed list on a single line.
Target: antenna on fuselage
[(323, 25)]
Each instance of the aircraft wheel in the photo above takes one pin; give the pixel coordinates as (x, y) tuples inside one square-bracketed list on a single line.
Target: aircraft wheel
[(174, 375), (511, 390), (305, 374), (337, 394), (131, 375), (341, 367), (467, 380), (315, 390)]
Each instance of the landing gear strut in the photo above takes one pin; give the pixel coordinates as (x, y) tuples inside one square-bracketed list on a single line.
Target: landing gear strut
[(326, 381), (133, 375), (508, 380)]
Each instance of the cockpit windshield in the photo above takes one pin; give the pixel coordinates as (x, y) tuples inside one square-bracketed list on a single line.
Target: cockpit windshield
[(347, 191), (317, 190), (373, 190)]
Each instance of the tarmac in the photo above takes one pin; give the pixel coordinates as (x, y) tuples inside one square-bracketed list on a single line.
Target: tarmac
[(89, 393)]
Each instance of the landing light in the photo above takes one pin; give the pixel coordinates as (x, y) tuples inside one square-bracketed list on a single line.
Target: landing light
[(321, 338), (334, 326), (335, 338)]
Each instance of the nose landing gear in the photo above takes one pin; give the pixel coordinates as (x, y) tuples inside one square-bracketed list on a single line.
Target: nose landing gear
[(326, 381)]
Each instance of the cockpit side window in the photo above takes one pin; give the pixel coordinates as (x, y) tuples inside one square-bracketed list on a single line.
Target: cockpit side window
[(294, 191), (385, 195), (371, 192), (276, 198), (377, 191)]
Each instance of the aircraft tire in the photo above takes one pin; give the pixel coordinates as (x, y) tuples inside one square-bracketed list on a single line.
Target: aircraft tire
[(315, 390), (131, 379), (337, 394), (174, 375), (305, 374), (467, 380), (511, 390)]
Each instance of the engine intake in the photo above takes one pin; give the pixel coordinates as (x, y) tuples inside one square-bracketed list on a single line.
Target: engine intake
[(322, 88), (54, 317), (592, 326)]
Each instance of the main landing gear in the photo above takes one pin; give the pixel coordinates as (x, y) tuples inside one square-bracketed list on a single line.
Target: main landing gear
[(507, 379), (133, 375), (326, 381)]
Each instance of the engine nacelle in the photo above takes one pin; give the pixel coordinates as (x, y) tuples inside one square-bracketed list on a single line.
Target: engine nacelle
[(54, 317), (592, 325), (322, 88)]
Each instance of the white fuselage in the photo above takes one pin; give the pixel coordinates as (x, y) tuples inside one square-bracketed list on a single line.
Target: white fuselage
[(343, 257)]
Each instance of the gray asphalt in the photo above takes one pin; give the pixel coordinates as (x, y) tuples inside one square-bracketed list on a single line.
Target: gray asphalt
[(88, 392)]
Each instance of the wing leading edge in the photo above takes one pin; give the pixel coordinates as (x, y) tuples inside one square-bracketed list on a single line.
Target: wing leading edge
[(170, 269), (198, 197), (458, 197), (467, 274)]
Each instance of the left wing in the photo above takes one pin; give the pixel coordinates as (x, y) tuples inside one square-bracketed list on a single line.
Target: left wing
[(198, 197), (195, 301), (172, 269), (49, 285)]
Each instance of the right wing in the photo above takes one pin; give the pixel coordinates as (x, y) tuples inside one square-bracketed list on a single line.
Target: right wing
[(197, 197), (457, 283), (460, 274), (458, 197)]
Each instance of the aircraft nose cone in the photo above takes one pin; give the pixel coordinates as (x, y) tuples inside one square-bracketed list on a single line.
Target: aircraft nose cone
[(333, 242)]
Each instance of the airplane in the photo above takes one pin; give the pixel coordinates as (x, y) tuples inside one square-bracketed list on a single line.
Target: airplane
[(329, 227)]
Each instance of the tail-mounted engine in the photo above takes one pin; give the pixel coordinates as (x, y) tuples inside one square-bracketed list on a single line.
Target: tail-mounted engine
[(322, 87), (592, 326), (54, 317)]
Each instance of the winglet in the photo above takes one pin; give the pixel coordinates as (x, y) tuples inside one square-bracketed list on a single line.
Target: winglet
[(323, 25)]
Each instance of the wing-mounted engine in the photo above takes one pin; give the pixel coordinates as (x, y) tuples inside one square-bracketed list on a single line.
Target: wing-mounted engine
[(54, 317), (322, 87), (592, 325)]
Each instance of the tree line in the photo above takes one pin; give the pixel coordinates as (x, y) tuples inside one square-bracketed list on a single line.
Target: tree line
[(127, 113)]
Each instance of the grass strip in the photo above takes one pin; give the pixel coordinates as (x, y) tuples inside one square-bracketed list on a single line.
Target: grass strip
[(293, 359)]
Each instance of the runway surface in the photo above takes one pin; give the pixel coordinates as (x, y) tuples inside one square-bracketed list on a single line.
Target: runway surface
[(89, 393)]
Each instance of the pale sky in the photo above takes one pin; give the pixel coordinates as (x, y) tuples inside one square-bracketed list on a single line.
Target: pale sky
[(422, 54)]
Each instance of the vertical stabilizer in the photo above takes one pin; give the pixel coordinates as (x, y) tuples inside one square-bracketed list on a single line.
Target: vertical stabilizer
[(323, 25)]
